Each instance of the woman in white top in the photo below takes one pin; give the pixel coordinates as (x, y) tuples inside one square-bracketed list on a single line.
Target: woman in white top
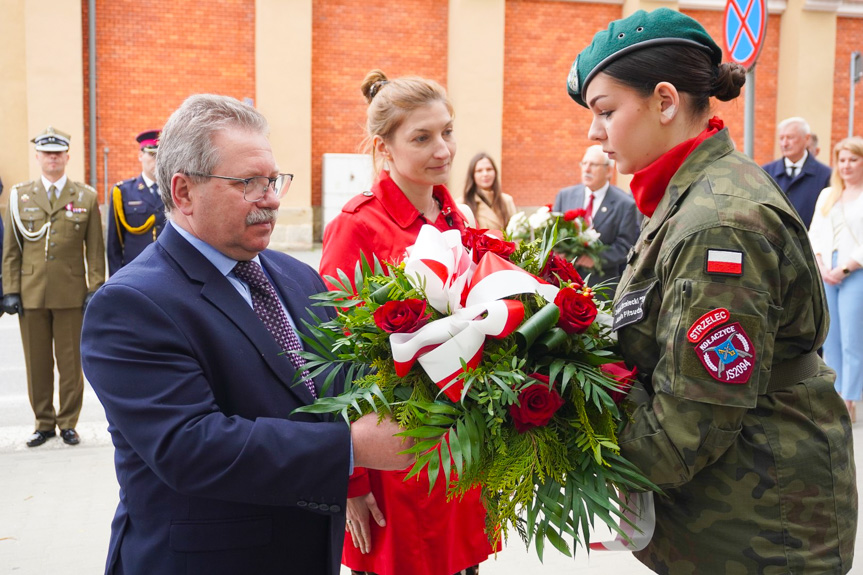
[(837, 238)]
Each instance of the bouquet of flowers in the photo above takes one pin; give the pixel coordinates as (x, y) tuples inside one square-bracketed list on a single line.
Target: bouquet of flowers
[(497, 360), (575, 234)]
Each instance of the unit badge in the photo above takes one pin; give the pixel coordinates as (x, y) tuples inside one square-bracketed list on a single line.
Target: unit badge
[(727, 354)]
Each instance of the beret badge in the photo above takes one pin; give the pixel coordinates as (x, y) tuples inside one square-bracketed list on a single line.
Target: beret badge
[(572, 81)]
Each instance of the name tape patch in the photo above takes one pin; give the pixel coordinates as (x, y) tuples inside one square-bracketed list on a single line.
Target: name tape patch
[(629, 308)]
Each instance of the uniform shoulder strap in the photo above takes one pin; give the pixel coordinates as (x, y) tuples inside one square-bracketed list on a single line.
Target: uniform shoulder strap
[(355, 203)]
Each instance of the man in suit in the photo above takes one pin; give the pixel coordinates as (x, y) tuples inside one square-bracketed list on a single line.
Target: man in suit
[(53, 262), (612, 211), (797, 172), (188, 348), (136, 213)]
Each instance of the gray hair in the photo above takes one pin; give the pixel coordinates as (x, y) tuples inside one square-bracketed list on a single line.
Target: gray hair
[(599, 149), (186, 143), (801, 124)]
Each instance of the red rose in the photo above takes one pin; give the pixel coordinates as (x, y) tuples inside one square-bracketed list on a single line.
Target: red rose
[(570, 215), (537, 404), (577, 311), (558, 269), (481, 242), (401, 316), (624, 378)]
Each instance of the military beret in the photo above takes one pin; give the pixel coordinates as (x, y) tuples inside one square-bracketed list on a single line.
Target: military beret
[(149, 140), (52, 140), (635, 32)]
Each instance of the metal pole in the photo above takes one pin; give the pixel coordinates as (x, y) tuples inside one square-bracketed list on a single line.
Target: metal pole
[(749, 114), (105, 155), (852, 81), (94, 165)]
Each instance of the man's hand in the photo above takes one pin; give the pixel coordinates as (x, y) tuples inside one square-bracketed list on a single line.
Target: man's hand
[(584, 261), (375, 444), (87, 299), (12, 304)]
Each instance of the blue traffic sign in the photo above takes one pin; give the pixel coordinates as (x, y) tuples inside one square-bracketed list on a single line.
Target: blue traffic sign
[(745, 28)]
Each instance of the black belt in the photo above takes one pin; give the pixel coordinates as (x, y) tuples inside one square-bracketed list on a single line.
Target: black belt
[(793, 371)]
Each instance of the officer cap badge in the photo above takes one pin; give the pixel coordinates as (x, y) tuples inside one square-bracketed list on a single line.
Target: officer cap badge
[(52, 140)]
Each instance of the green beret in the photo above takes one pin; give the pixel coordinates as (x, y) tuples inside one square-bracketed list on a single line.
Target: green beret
[(639, 30)]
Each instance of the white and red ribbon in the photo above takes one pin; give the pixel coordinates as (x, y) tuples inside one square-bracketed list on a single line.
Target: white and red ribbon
[(439, 265)]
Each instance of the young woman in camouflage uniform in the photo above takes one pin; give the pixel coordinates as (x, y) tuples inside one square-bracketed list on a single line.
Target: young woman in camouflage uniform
[(721, 309)]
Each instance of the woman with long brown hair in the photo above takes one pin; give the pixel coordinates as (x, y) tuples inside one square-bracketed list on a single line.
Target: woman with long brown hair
[(483, 195)]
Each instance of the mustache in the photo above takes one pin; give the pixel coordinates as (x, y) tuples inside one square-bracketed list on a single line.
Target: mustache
[(262, 216)]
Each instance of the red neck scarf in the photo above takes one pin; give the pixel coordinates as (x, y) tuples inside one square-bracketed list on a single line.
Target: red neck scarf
[(648, 185)]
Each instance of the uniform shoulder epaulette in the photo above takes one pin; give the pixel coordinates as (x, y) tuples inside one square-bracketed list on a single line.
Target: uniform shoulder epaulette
[(22, 184), (357, 202), (121, 182)]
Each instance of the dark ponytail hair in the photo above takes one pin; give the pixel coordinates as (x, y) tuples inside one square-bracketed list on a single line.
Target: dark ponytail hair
[(687, 68)]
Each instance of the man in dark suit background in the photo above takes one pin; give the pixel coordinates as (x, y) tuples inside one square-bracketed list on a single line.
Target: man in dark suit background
[(188, 349), (613, 214), (136, 213), (797, 172)]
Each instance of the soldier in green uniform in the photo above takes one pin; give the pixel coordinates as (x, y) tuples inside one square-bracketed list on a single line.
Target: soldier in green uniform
[(721, 309), (53, 262)]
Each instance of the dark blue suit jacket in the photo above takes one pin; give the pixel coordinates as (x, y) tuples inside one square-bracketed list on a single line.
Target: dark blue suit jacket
[(803, 190), (139, 204), (215, 475), (617, 224)]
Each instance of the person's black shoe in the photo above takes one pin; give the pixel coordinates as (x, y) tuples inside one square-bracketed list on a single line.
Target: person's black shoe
[(70, 436), (40, 437)]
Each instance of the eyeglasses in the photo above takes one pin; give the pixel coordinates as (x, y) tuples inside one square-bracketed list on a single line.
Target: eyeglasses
[(592, 164), (255, 189)]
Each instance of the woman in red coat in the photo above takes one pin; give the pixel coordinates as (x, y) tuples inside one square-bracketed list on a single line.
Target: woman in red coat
[(396, 527)]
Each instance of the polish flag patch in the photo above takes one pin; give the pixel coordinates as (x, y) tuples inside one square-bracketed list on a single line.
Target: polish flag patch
[(726, 262)]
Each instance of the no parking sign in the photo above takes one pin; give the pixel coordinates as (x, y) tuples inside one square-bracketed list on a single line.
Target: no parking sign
[(744, 29)]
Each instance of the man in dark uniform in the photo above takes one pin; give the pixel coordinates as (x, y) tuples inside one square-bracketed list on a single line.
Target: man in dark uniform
[(53, 262), (136, 212)]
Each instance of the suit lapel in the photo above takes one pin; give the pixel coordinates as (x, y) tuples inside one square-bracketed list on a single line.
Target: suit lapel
[(605, 209), (67, 196), (216, 289), (40, 197), (294, 296), (576, 198)]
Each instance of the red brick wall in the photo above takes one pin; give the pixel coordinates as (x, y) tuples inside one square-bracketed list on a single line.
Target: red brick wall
[(848, 34), (766, 71), (544, 130), (150, 57), (349, 39)]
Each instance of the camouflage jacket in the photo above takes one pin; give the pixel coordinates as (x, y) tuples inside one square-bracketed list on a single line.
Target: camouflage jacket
[(722, 309)]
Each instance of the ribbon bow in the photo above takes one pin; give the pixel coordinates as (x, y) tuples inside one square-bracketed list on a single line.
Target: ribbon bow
[(439, 265)]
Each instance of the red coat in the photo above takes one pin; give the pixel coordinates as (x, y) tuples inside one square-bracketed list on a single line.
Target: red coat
[(425, 534)]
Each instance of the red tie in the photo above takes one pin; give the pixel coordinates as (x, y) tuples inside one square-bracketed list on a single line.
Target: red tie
[(589, 208)]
